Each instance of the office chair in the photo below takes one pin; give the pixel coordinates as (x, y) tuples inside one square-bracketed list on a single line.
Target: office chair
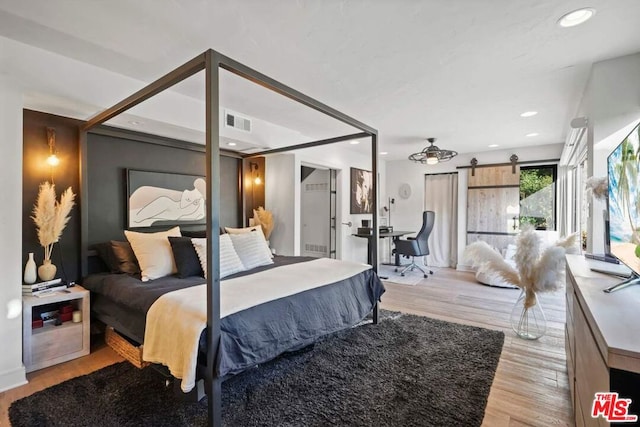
[(417, 246)]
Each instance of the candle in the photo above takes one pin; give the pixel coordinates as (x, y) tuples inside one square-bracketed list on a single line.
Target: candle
[(77, 316)]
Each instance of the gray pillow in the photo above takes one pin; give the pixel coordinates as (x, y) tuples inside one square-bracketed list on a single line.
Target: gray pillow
[(124, 260)]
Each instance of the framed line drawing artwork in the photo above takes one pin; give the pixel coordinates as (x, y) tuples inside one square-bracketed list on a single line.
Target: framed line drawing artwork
[(163, 199), (361, 191)]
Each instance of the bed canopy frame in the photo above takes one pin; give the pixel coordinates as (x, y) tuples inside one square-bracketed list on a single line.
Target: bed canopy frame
[(211, 62)]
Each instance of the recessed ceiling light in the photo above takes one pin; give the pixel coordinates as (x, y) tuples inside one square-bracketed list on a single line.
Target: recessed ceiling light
[(134, 122), (576, 17), (354, 142), (493, 145), (528, 114), (383, 153), (532, 134), (231, 144)]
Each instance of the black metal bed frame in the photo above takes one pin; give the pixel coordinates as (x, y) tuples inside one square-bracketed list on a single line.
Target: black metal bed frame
[(211, 62)]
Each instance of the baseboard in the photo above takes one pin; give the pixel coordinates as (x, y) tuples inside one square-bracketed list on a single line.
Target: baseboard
[(462, 267), (12, 379)]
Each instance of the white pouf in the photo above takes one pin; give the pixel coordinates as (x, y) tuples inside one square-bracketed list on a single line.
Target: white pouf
[(489, 281)]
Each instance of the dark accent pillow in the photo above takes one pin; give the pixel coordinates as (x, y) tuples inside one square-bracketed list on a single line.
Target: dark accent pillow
[(199, 234), (186, 258), (124, 259), (106, 255)]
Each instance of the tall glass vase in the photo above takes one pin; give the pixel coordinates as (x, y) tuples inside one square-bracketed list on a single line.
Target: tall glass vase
[(527, 318)]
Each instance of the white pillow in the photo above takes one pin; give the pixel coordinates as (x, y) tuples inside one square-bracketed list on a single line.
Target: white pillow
[(252, 249), (253, 228), (229, 261), (153, 252)]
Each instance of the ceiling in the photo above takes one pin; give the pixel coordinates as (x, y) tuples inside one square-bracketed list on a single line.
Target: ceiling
[(459, 70)]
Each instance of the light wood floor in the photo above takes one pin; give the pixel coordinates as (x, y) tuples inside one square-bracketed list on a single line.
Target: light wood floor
[(530, 387)]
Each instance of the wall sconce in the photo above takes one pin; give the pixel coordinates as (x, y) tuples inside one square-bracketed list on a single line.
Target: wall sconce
[(253, 167), (53, 159)]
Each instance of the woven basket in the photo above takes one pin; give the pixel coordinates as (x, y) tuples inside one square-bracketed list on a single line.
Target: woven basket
[(124, 348)]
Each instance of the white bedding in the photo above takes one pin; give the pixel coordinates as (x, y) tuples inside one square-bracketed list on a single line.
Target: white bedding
[(176, 320)]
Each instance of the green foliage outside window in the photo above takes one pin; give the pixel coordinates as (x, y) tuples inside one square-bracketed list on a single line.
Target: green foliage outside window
[(537, 197)]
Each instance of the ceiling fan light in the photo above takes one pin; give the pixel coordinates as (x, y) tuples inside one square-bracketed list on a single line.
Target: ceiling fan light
[(432, 154)]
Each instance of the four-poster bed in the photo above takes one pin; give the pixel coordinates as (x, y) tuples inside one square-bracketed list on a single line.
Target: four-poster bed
[(211, 62)]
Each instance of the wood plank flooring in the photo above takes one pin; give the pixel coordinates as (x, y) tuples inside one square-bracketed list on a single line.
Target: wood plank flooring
[(530, 387)]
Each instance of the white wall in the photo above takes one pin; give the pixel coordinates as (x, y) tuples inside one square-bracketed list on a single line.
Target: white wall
[(406, 214), (611, 101), (283, 195), (280, 193), (12, 371)]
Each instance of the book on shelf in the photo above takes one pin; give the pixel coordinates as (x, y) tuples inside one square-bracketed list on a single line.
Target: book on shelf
[(40, 292), (27, 291), (42, 285)]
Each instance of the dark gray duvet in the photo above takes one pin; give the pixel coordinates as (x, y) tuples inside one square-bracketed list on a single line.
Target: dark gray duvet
[(251, 336)]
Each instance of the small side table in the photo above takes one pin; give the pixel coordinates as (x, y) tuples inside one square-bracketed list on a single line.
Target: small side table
[(50, 344)]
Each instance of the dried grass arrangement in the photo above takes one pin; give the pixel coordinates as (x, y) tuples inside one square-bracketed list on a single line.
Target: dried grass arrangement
[(598, 187), (536, 270), (51, 216), (264, 218)]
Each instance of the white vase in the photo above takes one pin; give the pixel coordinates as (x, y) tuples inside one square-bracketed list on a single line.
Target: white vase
[(30, 270), (47, 271)]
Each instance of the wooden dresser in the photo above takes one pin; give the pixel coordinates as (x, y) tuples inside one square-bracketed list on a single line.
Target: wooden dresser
[(602, 340)]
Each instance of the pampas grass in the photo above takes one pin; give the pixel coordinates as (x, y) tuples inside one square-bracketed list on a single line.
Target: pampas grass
[(536, 270), (51, 216), (598, 187), (264, 218)]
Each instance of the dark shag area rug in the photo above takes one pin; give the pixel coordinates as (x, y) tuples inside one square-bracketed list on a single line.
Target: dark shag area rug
[(405, 371)]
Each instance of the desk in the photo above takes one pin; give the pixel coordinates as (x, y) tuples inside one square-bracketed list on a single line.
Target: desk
[(393, 234)]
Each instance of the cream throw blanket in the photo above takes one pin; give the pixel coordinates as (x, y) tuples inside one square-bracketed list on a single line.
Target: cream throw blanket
[(176, 320)]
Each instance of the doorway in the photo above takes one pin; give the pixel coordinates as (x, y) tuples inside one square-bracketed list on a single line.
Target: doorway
[(318, 195)]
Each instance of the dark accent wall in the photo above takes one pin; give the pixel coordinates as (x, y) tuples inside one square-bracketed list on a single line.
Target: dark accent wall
[(66, 253), (110, 155), (110, 152)]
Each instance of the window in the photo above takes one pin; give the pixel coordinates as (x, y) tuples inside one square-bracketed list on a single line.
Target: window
[(583, 200), (538, 196)]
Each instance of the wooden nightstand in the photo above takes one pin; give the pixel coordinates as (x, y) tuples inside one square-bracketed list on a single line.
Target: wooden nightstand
[(50, 344)]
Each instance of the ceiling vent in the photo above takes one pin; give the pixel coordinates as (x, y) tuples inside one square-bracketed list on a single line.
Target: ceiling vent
[(233, 120)]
